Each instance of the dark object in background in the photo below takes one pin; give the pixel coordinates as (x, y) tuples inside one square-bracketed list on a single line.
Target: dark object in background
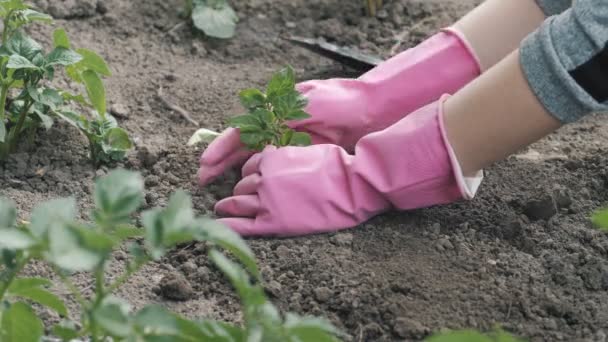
[(349, 57)]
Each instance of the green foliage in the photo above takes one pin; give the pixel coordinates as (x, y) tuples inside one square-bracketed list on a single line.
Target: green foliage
[(57, 238), (215, 18), (268, 113), (28, 102)]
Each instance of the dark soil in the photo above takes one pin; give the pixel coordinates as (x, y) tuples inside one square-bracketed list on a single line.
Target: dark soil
[(522, 255)]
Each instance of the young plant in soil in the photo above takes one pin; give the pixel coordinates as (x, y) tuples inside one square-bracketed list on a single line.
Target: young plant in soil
[(56, 237), (28, 102), (268, 114), (215, 18)]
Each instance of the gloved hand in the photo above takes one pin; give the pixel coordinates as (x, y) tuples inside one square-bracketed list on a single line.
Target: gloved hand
[(344, 110), (321, 188)]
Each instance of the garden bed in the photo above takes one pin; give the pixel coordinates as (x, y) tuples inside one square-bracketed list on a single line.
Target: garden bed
[(522, 255)]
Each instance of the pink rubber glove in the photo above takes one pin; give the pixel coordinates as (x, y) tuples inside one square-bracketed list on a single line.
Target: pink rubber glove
[(344, 110), (315, 189)]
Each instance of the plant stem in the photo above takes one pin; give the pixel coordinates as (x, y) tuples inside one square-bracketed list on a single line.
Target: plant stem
[(70, 285), (3, 94), (15, 132), (11, 276), (6, 26), (125, 276)]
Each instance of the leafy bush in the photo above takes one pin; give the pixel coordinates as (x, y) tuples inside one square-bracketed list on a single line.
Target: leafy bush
[(28, 102), (213, 17), (56, 237)]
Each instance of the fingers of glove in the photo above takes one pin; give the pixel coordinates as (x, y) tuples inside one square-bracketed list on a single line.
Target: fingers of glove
[(226, 144), (253, 164), (208, 172), (248, 185), (239, 206)]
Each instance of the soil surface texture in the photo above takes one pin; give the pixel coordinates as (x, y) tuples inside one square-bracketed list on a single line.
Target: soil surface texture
[(522, 255)]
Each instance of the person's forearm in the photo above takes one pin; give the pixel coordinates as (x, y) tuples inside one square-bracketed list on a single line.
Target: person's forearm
[(495, 116), (496, 27)]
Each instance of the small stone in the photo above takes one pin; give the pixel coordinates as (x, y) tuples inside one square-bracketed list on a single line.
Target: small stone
[(274, 288), (409, 328), (119, 110), (147, 156), (283, 252), (562, 198), (102, 7), (290, 24), (170, 77), (382, 14), (435, 229), (540, 209), (323, 294), (342, 239), (202, 274), (175, 286), (188, 267), (120, 255), (444, 244)]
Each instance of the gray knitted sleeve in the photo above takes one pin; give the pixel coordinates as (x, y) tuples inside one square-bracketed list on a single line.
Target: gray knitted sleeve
[(553, 7), (566, 61)]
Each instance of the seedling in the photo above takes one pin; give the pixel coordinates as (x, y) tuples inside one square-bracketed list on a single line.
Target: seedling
[(28, 101), (215, 18), (54, 236), (268, 114)]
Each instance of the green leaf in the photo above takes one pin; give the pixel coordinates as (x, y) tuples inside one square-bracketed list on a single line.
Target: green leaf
[(92, 61), (11, 5), (252, 98), (203, 135), (290, 101), (237, 276), (54, 213), (66, 330), (226, 238), (300, 139), (286, 137), (245, 121), (253, 139), (118, 195), (31, 15), (15, 239), (95, 90), (19, 62), (297, 115), (156, 320), (60, 39), (113, 316), (264, 115), (62, 56), (600, 219), (22, 45), (124, 232), (71, 251), (20, 324), (218, 21), (41, 296), (116, 139), (168, 227), (459, 336), (26, 283), (8, 213), (282, 82), (310, 329)]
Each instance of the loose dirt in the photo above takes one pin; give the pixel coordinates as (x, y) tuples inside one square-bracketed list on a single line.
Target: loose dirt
[(522, 255)]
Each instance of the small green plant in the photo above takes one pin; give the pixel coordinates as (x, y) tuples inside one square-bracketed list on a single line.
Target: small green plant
[(268, 114), (215, 18), (55, 237), (27, 100)]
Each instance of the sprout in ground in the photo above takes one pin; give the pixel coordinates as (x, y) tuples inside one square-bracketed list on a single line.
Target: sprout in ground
[(27, 100)]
